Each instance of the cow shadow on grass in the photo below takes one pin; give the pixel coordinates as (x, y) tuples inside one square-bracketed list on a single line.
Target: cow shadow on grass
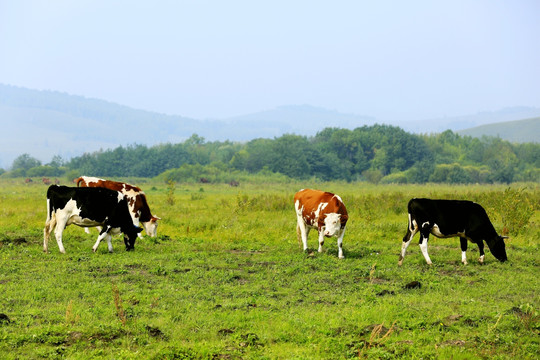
[(351, 254), (348, 254)]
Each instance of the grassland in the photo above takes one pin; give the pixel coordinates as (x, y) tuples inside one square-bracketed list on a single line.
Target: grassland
[(226, 279)]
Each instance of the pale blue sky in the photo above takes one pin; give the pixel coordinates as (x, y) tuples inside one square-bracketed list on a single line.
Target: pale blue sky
[(398, 60)]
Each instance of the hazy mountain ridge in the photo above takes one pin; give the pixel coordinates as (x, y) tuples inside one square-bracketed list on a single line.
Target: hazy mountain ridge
[(48, 123), (518, 131), (297, 119), (469, 121)]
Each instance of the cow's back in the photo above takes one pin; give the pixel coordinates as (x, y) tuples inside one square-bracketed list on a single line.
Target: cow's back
[(451, 214), (94, 203), (309, 201), (435, 208), (86, 181)]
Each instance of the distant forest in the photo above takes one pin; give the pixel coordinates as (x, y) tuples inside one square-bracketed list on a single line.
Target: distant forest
[(378, 154)]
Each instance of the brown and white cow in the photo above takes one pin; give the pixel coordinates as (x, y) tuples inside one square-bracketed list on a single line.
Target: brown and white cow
[(138, 206), (321, 210)]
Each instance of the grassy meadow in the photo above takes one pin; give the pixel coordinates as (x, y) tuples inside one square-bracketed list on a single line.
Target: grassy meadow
[(226, 279)]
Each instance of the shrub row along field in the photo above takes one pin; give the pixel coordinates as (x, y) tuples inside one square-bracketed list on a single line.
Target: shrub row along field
[(226, 279)]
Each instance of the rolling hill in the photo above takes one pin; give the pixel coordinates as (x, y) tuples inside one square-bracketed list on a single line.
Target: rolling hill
[(518, 131)]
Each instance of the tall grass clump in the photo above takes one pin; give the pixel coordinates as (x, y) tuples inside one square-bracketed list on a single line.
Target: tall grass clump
[(516, 208), (118, 304), (171, 187)]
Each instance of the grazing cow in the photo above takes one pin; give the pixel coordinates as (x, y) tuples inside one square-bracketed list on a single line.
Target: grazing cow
[(138, 206), (46, 181), (88, 207), (451, 218), (321, 210)]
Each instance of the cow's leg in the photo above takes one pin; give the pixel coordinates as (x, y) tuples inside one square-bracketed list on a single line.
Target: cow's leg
[(463, 242), (60, 226), (298, 235), (49, 226), (109, 242), (87, 230), (101, 236), (145, 225), (412, 229), (480, 244), (340, 244), (424, 237), (302, 230), (130, 245), (321, 241)]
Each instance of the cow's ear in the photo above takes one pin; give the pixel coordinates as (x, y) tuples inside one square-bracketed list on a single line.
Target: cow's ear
[(344, 218)]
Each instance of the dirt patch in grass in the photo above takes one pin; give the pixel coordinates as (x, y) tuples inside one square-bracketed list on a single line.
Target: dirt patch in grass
[(16, 240)]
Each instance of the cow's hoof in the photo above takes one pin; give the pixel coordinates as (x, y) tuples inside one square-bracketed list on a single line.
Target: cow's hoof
[(341, 257)]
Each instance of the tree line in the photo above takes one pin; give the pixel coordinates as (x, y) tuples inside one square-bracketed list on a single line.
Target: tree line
[(378, 153)]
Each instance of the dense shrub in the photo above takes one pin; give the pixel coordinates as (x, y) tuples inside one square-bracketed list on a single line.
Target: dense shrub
[(45, 170), (395, 178)]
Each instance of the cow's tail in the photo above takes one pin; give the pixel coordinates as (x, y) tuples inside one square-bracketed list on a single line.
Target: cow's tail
[(412, 228), (299, 235)]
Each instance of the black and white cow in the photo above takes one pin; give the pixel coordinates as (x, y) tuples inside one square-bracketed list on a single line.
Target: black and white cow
[(450, 218), (88, 207)]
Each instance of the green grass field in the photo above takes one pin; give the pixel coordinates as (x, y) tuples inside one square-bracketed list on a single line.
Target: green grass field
[(226, 279)]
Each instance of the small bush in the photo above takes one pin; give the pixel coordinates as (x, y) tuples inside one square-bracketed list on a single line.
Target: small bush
[(395, 178)]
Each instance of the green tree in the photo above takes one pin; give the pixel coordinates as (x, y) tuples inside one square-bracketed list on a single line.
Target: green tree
[(368, 152), (289, 156), (502, 160), (57, 161), (25, 162)]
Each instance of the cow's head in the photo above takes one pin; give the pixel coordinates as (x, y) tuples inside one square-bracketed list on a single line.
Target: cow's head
[(130, 236), (151, 226), (498, 248), (331, 225)]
